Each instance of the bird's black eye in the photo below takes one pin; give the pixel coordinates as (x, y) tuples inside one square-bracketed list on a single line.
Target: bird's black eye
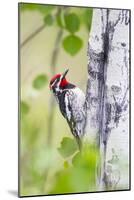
[(57, 80)]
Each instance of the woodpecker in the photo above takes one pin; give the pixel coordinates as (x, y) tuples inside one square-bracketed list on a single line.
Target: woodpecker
[(71, 101)]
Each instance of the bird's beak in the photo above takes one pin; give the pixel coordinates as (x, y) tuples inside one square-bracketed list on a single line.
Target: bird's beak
[(65, 73)]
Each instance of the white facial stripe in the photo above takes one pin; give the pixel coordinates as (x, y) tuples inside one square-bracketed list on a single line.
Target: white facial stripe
[(59, 82), (58, 85), (53, 83)]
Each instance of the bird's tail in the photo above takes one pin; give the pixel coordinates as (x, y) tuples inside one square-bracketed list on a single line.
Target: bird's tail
[(79, 142), (75, 134)]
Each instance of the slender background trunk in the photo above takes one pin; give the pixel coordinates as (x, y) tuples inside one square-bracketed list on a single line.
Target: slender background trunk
[(108, 92)]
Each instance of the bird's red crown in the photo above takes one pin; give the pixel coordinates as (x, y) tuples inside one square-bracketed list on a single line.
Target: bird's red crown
[(61, 78)]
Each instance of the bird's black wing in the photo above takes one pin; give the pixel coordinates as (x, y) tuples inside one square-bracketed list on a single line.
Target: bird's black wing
[(66, 110)]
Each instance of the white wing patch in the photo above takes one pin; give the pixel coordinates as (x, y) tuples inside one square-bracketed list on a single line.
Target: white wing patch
[(68, 112)]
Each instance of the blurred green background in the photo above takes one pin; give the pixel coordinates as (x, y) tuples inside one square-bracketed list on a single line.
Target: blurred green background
[(52, 39)]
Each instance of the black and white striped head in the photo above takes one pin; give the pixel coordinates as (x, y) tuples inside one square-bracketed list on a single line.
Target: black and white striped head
[(59, 82)]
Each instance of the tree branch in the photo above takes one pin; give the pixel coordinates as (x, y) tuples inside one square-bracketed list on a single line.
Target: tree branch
[(32, 35)]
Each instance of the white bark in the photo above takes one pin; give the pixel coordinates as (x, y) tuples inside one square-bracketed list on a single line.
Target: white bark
[(108, 91)]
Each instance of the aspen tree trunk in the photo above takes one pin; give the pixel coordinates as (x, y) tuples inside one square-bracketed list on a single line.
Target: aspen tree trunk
[(107, 93)]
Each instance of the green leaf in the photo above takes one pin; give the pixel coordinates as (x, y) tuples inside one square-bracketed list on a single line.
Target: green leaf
[(68, 147), (48, 19), (62, 183), (24, 107), (72, 22), (87, 17), (28, 6), (33, 7), (76, 160), (40, 81), (60, 19), (66, 164), (81, 175), (45, 9), (87, 158), (72, 44)]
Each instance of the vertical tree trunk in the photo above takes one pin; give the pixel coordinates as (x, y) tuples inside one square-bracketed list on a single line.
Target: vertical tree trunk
[(108, 88)]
